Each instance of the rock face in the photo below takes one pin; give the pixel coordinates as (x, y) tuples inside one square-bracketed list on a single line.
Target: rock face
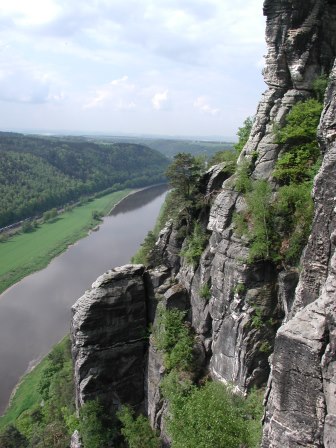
[(301, 406), (301, 41), (109, 338), (252, 309)]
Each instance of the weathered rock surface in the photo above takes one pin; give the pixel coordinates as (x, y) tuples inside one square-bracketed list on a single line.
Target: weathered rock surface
[(109, 338), (75, 440), (301, 41), (301, 406)]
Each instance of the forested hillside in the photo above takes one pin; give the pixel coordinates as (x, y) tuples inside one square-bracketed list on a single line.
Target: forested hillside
[(169, 146), (38, 173)]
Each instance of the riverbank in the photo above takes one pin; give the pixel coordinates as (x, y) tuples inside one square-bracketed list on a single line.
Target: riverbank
[(26, 253)]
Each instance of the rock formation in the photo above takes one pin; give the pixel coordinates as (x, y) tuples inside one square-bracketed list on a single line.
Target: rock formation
[(109, 338), (301, 405), (253, 309)]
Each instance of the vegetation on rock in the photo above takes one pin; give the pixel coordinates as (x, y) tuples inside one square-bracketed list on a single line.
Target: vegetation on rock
[(210, 415), (137, 430), (278, 224), (173, 337)]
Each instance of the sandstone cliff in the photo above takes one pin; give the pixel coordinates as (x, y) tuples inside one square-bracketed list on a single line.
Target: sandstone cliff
[(115, 359)]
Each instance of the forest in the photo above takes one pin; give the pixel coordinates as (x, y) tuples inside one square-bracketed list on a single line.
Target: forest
[(40, 173)]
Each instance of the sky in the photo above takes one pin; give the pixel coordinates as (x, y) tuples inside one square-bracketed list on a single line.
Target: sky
[(135, 67)]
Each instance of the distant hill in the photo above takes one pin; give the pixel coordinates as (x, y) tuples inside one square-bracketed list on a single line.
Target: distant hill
[(170, 147), (39, 173)]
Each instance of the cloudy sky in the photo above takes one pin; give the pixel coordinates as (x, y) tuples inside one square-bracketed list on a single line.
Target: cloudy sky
[(159, 67)]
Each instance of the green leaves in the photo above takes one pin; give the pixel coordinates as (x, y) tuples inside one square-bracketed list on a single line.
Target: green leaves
[(184, 173), (301, 123), (173, 337), (243, 134), (95, 425), (210, 416), (137, 430), (259, 205), (195, 245)]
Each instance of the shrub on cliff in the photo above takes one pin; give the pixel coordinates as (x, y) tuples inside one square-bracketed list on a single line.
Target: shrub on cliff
[(137, 430), (243, 134), (173, 337), (210, 416), (195, 245), (95, 425)]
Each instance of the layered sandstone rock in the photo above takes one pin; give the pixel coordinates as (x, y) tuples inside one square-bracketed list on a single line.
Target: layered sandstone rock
[(301, 405), (109, 338)]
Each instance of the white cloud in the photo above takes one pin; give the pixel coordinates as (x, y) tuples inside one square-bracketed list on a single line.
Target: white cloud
[(114, 91), (201, 103), (159, 100), (76, 53), (34, 12)]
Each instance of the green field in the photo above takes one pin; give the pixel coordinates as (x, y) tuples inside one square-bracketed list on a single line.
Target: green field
[(25, 253), (26, 395)]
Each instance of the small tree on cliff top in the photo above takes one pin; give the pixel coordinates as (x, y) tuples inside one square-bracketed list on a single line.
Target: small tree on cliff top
[(183, 174)]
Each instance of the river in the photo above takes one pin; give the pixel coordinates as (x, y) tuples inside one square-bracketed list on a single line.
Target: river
[(35, 313)]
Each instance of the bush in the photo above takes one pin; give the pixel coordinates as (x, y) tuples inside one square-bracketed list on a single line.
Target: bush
[(137, 431), (243, 134), (12, 438), (243, 182), (260, 210), (229, 157), (301, 123), (142, 256), (319, 87), (195, 245), (205, 291), (209, 416), (96, 215), (47, 425), (172, 336), (294, 210), (95, 426)]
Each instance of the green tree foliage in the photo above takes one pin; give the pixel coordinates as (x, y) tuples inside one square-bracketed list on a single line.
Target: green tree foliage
[(210, 416), (143, 254), (195, 245), (95, 427), (259, 203), (48, 425), (301, 123), (243, 134), (228, 157), (301, 154), (184, 173), (38, 174), (173, 337), (12, 438), (136, 430), (319, 87), (294, 213), (295, 170), (243, 182)]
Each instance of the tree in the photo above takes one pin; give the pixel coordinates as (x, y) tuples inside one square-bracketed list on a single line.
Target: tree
[(12, 438), (137, 431), (183, 173), (95, 425), (243, 134)]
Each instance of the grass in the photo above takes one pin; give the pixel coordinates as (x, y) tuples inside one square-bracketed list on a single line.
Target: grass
[(26, 253), (26, 395)]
